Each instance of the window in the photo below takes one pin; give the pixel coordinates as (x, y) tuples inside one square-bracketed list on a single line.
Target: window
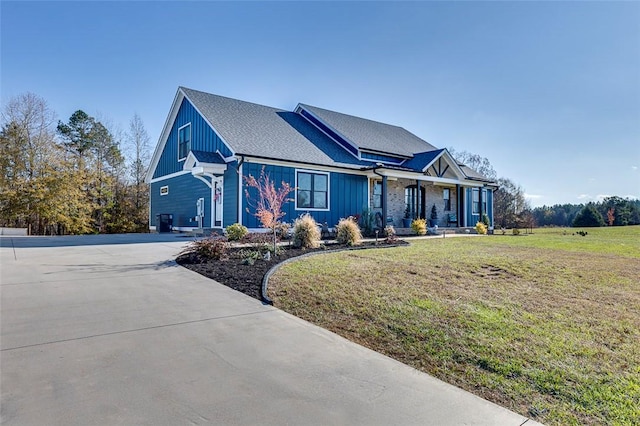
[(410, 201), (446, 195), (164, 190), (184, 141), (312, 190), (484, 201), (377, 195), (475, 202)]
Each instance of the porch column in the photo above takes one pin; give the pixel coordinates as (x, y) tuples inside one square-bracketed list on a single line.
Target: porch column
[(458, 205), (384, 201), (418, 200)]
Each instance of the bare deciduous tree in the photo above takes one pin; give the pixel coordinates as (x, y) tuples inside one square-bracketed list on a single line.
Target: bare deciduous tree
[(478, 163), (138, 149)]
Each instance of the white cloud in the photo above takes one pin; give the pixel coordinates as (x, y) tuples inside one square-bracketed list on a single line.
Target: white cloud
[(601, 197), (634, 168), (533, 196), (584, 197)]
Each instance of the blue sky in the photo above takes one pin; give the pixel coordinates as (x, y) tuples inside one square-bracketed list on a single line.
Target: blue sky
[(549, 92)]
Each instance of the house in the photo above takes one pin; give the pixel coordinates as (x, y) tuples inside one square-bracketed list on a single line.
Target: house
[(340, 165)]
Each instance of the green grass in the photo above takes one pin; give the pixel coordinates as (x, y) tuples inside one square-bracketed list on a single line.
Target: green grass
[(619, 240), (545, 324)]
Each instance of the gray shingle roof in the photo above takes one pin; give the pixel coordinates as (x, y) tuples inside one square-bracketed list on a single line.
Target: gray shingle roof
[(372, 135), (208, 157), (472, 174), (421, 159), (262, 131)]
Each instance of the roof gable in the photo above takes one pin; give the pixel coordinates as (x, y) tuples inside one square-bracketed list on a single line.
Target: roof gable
[(437, 163), (205, 162), (262, 131), (368, 134)]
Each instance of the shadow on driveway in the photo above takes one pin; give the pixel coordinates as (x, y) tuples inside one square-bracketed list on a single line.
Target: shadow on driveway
[(90, 240)]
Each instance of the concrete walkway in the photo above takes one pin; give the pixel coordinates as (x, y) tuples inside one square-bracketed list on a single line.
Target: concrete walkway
[(105, 330)]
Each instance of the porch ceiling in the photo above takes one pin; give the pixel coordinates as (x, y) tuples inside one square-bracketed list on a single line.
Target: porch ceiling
[(415, 176)]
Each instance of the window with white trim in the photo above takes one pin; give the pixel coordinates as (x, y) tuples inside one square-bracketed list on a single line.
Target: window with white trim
[(446, 195), (377, 195), (475, 201), (164, 190), (312, 190), (184, 141), (484, 201)]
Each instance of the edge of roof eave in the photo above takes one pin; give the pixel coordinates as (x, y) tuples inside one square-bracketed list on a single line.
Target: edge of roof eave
[(164, 135), (424, 177), (344, 166)]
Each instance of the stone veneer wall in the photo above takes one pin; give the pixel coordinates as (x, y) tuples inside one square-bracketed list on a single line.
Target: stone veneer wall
[(433, 195)]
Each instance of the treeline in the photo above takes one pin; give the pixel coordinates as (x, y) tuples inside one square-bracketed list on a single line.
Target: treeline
[(75, 177), (611, 211), (512, 210)]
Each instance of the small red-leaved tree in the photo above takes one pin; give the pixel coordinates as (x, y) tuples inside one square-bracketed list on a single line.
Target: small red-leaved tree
[(268, 206), (611, 216)]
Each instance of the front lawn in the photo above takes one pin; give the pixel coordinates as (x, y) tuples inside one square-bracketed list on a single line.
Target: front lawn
[(546, 324)]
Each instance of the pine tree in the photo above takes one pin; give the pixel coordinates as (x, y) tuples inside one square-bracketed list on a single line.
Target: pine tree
[(589, 216)]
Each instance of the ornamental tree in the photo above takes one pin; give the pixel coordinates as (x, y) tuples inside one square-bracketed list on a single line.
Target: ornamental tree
[(269, 203)]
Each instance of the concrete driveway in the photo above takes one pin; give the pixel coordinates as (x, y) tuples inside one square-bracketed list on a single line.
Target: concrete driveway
[(103, 330)]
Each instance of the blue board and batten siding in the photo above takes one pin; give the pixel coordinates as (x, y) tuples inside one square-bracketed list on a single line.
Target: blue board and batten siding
[(347, 195), (230, 195), (472, 219), (184, 191), (203, 138)]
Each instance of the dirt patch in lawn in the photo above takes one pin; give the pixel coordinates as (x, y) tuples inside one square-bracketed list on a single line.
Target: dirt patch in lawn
[(234, 272)]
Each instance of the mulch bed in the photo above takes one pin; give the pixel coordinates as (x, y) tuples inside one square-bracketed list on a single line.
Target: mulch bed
[(248, 278)]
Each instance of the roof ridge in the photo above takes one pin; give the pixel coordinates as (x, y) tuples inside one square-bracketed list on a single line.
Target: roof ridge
[(354, 116), (232, 99)]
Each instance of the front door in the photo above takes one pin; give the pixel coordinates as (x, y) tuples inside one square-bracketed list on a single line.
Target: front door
[(415, 204), (217, 204)]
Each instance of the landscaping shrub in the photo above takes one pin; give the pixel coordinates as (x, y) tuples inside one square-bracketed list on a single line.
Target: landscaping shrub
[(390, 233), (211, 248), (261, 242), (236, 232), (485, 220), (305, 232), (249, 256), (419, 226), (348, 232), (367, 221), (481, 228), (282, 230)]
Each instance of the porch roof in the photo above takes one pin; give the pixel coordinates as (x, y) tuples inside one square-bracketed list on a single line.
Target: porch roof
[(201, 162)]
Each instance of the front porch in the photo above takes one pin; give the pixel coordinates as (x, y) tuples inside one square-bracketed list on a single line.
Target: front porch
[(441, 204), (445, 199)]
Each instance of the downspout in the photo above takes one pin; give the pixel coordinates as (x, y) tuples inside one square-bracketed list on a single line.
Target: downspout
[(384, 194)]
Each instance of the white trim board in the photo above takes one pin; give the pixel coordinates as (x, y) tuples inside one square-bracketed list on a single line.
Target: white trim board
[(166, 130), (170, 176), (295, 196)]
